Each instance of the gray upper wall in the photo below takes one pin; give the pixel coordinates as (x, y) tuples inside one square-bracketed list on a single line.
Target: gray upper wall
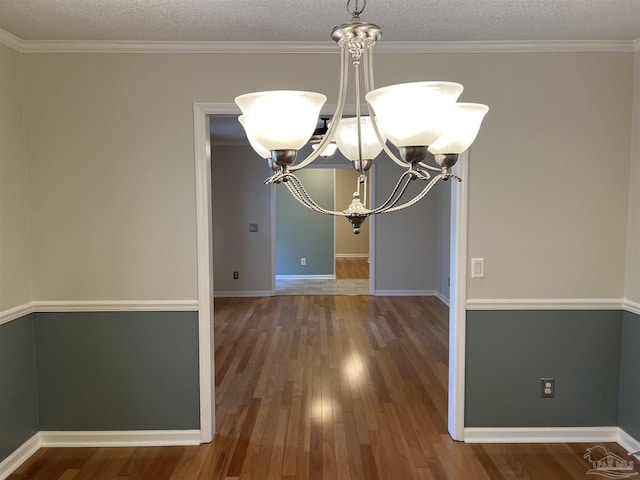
[(115, 192), (239, 198)]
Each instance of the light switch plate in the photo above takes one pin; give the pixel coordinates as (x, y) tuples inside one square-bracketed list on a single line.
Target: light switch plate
[(477, 268)]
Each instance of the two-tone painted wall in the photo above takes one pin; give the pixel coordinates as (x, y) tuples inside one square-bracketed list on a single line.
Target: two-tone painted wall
[(99, 150)]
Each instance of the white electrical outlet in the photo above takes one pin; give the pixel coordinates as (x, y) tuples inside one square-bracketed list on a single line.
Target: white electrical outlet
[(303, 261)]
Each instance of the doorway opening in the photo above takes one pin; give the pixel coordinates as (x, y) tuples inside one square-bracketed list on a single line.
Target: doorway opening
[(317, 254), (205, 233)]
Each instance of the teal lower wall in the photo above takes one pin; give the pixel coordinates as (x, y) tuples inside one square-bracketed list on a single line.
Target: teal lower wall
[(509, 351), (302, 233), (117, 370), (18, 385), (629, 410)]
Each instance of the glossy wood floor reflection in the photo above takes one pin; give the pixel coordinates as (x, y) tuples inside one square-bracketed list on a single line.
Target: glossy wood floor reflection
[(324, 387)]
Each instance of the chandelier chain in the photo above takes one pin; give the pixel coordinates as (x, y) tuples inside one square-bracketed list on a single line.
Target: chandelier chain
[(357, 11)]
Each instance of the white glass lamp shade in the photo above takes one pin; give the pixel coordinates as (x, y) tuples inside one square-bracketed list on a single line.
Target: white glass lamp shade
[(412, 114), (260, 150), (329, 150), (462, 126), (347, 138), (281, 119)]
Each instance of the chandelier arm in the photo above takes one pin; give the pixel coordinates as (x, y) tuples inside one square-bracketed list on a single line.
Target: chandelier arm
[(429, 167), (342, 98), (300, 193), (395, 197), (423, 193), (369, 85)]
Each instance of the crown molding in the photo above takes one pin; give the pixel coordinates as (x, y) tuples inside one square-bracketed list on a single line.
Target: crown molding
[(80, 46)]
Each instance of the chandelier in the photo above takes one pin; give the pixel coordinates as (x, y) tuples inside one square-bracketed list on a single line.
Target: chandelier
[(417, 118)]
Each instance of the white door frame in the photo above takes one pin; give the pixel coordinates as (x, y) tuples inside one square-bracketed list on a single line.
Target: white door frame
[(204, 239), (458, 298)]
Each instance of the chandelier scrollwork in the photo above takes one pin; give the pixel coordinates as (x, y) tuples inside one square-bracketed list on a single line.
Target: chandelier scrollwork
[(417, 118)]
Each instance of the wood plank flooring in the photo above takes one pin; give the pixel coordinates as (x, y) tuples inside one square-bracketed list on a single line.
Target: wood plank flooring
[(352, 267), (325, 387)]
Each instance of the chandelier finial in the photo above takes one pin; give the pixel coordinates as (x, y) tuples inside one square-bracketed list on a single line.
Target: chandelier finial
[(358, 10)]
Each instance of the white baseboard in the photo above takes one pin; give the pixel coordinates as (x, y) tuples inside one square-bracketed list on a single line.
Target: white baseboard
[(405, 293), (21, 455), (541, 435), (442, 298), (132, 438), (243, 294), (352, 255), (627, 442), (306, 277)]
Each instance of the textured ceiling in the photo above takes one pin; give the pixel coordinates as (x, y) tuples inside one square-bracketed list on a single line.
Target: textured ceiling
[(312, 20)]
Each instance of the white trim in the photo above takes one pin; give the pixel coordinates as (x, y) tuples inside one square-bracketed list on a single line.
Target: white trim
[(631, 307), (306, 277), (457, 300), (242, 294), (14, 313), (548, 304), (541, 435), (77, 46), (19, 456), (405, 293), (627, 442), (11, 41), (134, 438), (352, 255), (204, 247), (117, 306), (98, 306), (441, 297), (372, 232)]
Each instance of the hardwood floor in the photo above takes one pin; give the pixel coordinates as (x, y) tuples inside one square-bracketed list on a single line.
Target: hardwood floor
[(325, 387), (352, 267)]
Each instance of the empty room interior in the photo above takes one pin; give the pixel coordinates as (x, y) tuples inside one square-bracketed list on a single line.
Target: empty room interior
[(183, 296)]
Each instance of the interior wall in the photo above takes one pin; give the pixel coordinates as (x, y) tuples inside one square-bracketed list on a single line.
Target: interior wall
[(443, 238), (140, 386), (405, 241), (547, 212), (508, 352), (347, 243), (240, 198), (15, 265), (632, 284), (629, 416), (302, 233), (19, 419), (111, 166)]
